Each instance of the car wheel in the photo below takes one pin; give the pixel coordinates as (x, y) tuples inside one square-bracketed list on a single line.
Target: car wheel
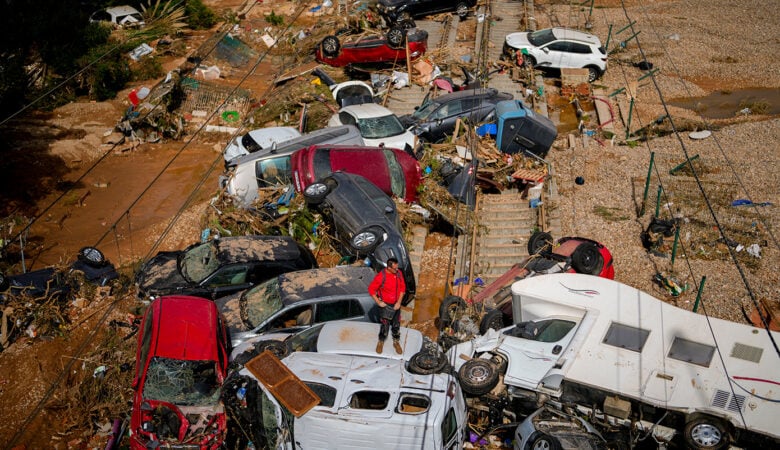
[(541, 441), (587, 259), (478, 376), (426, 362), (92, 256), (529, 61), (330, 46), (706, 433), (593, 74), (315, 193), (365, 240), (493, 319), (462, 10), (395, 37), (450, 309), (540, 242)]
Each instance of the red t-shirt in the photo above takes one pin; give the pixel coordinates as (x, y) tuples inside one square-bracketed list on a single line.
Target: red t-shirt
[(391, 290)]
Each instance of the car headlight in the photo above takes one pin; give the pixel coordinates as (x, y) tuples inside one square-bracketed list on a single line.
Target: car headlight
[(364, 239)]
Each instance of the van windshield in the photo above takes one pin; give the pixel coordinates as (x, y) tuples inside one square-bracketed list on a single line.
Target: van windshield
[(552, 330), (259, 303)]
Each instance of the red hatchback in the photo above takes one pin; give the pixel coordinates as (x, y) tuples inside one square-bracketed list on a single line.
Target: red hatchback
[(393, 171), (181, 363), (372, 47)]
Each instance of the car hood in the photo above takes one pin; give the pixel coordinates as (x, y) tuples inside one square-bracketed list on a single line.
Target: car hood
[(399, 141), (230, 308), (160, 275), (518, 40)]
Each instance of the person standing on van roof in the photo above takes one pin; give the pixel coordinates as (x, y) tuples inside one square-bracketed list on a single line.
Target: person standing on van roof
[(387, 288)]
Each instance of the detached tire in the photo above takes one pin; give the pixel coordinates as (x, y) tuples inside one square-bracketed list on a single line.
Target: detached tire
[(540, 242), (330, 46), (450, 309), (587, 259), (427, 362), (478, 376), (395, 37), (706, 433), (92, 257), (493, 319)]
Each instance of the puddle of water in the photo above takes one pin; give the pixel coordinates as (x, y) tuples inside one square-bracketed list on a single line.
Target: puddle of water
[(726, 104)]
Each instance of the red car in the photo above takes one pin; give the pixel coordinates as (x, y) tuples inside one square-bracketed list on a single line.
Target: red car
[(372, 47), (181, 363), (393, 171)]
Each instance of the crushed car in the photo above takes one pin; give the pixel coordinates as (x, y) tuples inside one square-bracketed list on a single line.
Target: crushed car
[(379, 126), (365, 221), (255, 140), (394, 11), (549, 428), (221, 266), (372, 47), (181, 364)]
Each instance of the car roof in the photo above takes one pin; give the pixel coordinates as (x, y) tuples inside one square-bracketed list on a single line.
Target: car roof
[(316, 137), (359, 338), (257, 248), (574, 35), (482, 92), (305, 285), (191, 323), (367, 110), (122, 10)]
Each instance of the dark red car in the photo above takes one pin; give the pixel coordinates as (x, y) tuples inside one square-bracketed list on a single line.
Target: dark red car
[(372, 47), (181, 363), (393, 171)]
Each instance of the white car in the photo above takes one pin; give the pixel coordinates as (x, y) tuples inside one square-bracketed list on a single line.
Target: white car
[(558, 48), (377, 124), (257, 140), (120, 16)]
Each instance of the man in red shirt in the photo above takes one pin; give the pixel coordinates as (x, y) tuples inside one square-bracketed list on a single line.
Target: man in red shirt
[(387, 289)]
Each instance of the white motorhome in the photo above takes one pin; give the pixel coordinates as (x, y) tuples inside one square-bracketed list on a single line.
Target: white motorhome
[(365, 403), (591, 341)]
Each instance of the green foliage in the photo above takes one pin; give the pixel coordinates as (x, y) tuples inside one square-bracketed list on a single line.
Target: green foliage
[(274, 19), (147, 68), (199, 16), (109, 76)]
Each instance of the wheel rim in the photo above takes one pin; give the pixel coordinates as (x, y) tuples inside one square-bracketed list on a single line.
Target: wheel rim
[(541, 444), (364, 239), (396, 36), (427, 361), (92, 255), (316, 189), (478, 373), (592, 75), (329, 46), (706, 435), (462, 10)]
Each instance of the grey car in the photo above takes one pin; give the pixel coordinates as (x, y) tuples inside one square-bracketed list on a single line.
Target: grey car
[(296, 300)]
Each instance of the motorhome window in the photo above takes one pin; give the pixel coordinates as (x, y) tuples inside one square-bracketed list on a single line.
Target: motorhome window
[(543, 331), (413, 404), (691, 352), (449, 427), (370, 400), (627, 337), (327, 394)]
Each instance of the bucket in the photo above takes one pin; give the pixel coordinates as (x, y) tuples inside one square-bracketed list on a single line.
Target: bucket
[(133, 96)]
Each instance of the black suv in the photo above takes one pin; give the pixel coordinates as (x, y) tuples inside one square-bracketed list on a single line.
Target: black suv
[(365, 220), (436, 117), (403, 10), (221, 266)]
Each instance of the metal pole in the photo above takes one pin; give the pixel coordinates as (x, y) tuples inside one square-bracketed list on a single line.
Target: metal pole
[(658, 201), (630, 113), (698, 294), (676, 240), (609, 36), (647, 183)]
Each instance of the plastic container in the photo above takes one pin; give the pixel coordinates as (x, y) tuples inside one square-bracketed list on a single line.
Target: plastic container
[(535, 191)]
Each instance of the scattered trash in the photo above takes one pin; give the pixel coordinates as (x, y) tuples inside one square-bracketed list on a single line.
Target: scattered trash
[(140, 51), (100, 372), (644, 65), (674, 37), (579, 181), (670, 285), (754, 250), (745, 111), (704, 134), (746, 202)]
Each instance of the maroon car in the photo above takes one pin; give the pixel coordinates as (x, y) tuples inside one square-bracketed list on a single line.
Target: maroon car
[(393, 171), (372, 47)]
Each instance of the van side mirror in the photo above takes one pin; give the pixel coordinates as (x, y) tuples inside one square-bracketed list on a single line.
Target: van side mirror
[(557, 349)]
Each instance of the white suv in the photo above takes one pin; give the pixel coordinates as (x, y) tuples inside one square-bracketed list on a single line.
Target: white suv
[(558, 48)]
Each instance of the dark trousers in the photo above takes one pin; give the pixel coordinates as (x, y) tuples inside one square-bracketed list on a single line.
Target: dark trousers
[(393, 323)]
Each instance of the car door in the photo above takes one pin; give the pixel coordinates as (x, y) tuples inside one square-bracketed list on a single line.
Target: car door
[(445, 117), (227, 280), (557, 55), (342, 309), (580, 55)]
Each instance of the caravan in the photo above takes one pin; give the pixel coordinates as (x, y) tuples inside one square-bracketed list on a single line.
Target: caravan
[(599, 344)]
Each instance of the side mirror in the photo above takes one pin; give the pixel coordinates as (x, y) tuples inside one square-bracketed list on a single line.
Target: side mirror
[(546, 50)]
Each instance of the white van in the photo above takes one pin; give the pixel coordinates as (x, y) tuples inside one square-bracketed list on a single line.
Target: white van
[(365, 403), (589, 341)]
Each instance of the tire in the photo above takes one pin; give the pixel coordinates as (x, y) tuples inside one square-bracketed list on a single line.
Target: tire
[(541, 441), (395, 37), (587, 259), (493, 319), (706, 432), (426, 362), (593, 74), (462, 10), (450, 309), (529, 61), (330, 46), (366, 240), (478, 376), (540, 242), (92, 257), (315, 193)]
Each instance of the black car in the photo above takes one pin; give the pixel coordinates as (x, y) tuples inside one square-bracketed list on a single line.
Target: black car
[(436, 117), (221, 266), (401, 10), (365, 219)]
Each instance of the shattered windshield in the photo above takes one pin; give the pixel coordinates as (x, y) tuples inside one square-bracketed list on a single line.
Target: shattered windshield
[(183, 383), (199, 262), (261, 302), (425, 111), (380, 127), (541, 37), (397, 177), (305, 341)]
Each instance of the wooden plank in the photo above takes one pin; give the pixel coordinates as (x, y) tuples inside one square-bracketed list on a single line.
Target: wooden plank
[(298, 71)]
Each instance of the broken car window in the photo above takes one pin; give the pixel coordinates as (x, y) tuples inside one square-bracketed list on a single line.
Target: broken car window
[(380, 127), (199, 262), (259, 303), (186, 383)]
